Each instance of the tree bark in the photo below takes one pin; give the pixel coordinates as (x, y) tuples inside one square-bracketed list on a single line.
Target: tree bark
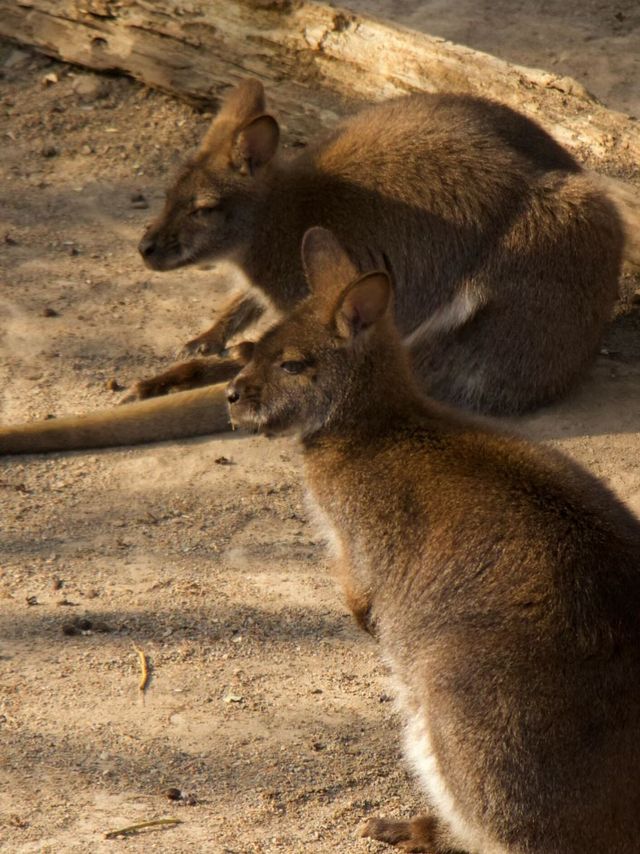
[(316, 61)]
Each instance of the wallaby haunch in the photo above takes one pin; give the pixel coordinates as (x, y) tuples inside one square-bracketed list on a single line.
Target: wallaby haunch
[(501, 580), (505, 254)]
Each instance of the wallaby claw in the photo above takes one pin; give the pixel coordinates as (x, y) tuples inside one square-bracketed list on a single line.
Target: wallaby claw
[(138, 391), (201, 346), (384, 830)]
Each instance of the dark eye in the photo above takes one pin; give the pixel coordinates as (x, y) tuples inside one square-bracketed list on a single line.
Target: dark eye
[(204, 211), (294, 367)]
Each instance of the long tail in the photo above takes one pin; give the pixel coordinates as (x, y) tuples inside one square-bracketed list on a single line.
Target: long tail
[(198, 412)]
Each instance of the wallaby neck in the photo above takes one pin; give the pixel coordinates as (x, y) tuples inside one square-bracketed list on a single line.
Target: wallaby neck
[(271, 257), (351, 467), (379, 397)]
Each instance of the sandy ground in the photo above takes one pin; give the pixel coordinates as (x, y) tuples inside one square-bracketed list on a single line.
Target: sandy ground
[(267, 708)]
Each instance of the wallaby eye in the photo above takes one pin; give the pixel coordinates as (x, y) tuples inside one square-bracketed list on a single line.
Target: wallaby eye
[(292, 367), (204, 211)]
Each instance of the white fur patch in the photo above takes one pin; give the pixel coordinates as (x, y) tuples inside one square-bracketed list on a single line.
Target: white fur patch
[(456, 313), (326, 529), (419, 752)]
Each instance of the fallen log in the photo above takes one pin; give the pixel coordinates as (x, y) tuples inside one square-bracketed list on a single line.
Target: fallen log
[(313, 57)]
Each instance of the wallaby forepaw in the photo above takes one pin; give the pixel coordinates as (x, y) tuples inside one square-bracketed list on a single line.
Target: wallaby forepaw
[(193, 348), (201, 346), (171, 380), (388, 831), (138, 391)]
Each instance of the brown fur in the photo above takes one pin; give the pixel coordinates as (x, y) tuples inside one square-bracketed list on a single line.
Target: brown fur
[(498, 242), (503, 582)]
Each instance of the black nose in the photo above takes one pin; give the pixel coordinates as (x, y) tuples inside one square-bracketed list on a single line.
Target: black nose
[(233, 396), (147, 247)]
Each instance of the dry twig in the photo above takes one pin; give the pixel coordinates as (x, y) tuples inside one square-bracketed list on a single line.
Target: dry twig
[(144, 668), (143, 825)]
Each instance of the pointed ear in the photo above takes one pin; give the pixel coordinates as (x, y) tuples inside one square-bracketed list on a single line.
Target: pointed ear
[(362, 304), (244, 102), (327, 266), (241, 104), (255, 144)]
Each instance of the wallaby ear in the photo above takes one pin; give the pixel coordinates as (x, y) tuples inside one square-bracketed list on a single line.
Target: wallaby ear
[(244, 101), (363, 303), (241, 104), (255, 144), (327, 266)]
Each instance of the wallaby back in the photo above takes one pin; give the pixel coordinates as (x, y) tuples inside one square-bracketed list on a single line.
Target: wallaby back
[(501, 580)]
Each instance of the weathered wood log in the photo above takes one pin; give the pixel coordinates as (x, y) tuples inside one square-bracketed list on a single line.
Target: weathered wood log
[(312, 57)]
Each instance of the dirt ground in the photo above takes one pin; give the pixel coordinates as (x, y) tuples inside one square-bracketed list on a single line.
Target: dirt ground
[(267, 708)]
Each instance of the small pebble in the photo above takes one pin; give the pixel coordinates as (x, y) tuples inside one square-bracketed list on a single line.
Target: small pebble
[(69, 629), (138, 201), (101, 626), (223, 461), (50, 312), (112, 384), (49, 151), (88, 87), (174, 794)]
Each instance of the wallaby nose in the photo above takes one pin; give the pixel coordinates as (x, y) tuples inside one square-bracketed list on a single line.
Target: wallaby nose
[(233, 395), (147, 247)]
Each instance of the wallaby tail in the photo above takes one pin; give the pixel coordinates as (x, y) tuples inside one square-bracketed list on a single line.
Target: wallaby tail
[(626, 198), (198, 412)]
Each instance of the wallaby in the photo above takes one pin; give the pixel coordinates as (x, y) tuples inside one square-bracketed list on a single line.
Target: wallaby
[(501, 580), (505, 254)]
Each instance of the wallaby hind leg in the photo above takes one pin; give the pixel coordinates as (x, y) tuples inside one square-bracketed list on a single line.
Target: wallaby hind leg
[(193, 374), (242, 310), (421, 834)]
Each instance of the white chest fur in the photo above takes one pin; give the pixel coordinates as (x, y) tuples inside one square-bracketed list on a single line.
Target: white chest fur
[(324, 526)]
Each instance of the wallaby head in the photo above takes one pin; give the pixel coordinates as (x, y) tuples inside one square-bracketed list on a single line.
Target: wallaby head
[(301, 375), (209, 209)]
